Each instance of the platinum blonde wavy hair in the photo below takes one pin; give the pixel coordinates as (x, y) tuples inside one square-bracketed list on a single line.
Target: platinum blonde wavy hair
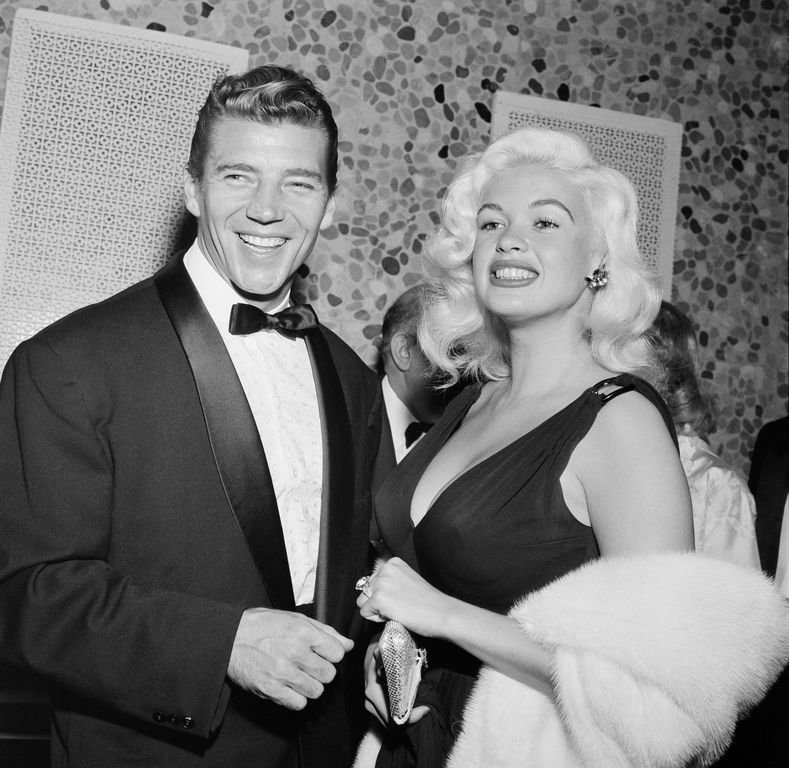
[(463, 339)]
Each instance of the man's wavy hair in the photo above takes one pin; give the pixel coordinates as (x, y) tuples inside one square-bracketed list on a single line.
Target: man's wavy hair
[(269, 95), (462, 338)]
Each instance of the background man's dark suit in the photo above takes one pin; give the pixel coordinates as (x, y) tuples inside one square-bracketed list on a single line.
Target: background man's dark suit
[(133, 406), (769, 483), (761, 738)]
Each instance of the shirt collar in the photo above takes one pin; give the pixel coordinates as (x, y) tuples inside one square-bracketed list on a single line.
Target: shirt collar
[(396, 411), (217, 294)]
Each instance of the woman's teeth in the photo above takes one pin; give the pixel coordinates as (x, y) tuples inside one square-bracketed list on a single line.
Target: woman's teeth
[(513, 273)]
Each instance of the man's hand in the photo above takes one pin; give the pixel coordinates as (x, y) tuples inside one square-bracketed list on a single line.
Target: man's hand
[(285, 657)]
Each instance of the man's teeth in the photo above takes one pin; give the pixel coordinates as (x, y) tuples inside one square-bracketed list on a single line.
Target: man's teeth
[(513, 273), (263, 242)]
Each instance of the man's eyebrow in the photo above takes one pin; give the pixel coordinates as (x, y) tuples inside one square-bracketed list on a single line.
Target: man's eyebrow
[(223, 167), (304, 172), (533, 204), (309, 173)]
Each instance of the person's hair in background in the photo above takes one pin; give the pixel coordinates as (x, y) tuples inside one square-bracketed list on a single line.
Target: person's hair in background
[(676, 345), (269, 95), (463, 339), (402, 316)]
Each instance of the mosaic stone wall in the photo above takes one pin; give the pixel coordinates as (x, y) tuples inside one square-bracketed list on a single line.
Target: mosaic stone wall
[(413, 82)]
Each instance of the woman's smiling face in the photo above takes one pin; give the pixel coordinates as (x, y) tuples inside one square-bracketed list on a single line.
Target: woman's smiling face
[(534, 244)]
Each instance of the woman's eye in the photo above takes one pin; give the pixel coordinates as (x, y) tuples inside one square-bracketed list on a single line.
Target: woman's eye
[(489, 226), (545, 223)]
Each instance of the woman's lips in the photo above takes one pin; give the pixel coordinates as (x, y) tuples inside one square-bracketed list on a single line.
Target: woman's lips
[(512, 274)]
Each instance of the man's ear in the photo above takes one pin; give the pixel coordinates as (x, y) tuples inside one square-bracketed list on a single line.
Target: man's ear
[(400, 350), (191, 198)]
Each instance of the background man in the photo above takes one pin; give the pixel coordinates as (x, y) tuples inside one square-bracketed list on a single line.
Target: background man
[(410, 402), (184, 509)]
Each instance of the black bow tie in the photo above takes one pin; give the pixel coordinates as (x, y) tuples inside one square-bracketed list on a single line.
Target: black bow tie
[(414, 431), (245, 319)]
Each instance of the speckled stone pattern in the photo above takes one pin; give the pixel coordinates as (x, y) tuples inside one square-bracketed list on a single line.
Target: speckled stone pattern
[(413, 81)]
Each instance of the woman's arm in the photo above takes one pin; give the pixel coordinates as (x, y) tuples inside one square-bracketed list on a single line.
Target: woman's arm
[(400, 593), (631, 475)]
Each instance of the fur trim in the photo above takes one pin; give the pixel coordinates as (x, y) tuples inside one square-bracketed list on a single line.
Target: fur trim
[(655, 658), (370, 746)]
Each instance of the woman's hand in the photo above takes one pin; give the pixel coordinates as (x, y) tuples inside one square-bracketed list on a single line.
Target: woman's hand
[(375, 691), (395, 591), (398, 592)]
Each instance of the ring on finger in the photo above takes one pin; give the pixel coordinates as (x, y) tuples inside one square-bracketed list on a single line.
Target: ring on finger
[(364, 585)]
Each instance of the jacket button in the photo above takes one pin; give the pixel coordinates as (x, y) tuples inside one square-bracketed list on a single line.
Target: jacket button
[(158, 717), (172, 719), (187, 722)]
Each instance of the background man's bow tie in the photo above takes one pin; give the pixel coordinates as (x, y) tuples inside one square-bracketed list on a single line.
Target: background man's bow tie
[(245, 319), (414, 431)]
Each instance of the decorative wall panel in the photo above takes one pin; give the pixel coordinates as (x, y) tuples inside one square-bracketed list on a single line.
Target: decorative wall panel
[(95, 135)]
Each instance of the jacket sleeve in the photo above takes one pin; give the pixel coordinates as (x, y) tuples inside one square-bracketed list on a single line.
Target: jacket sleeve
[(67, 615), (654, 659)]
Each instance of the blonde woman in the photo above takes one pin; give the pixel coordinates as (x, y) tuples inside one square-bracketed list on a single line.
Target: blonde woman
[(560, 454)]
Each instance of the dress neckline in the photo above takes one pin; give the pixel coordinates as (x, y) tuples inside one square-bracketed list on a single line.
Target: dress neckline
[(444, 435)]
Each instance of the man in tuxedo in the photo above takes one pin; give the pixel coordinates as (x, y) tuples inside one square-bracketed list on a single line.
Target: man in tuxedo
[(185, 503), (408, 400)]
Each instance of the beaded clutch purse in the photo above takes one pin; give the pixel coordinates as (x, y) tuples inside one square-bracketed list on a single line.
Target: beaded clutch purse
[(403, 663)]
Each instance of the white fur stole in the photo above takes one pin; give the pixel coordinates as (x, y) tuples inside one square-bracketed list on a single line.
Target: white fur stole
[(655, 658)]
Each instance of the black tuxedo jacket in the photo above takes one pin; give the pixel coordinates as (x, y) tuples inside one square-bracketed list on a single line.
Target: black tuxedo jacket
[(385, 460), (138, 521)]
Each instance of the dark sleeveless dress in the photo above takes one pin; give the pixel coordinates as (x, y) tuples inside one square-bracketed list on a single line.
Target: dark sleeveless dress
[(496, 533)]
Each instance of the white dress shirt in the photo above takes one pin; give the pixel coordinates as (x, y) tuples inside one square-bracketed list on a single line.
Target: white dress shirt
[(277, 378), (724, 512)]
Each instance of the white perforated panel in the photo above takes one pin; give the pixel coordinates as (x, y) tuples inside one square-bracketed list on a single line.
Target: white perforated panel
[(95, 135), (646, 150)]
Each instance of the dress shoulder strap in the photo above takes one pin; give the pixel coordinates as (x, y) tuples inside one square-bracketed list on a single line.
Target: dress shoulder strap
[(621, 384), (626, 382)]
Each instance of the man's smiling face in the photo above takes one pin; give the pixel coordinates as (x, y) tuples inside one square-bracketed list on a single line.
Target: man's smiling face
[(262, 199)]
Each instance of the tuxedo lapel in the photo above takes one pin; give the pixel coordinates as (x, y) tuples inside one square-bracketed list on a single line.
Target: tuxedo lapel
[(385, 460), (233, 435), (332, 578)]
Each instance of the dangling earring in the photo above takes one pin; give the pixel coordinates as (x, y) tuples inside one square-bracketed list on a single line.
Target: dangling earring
[(598, 279)]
